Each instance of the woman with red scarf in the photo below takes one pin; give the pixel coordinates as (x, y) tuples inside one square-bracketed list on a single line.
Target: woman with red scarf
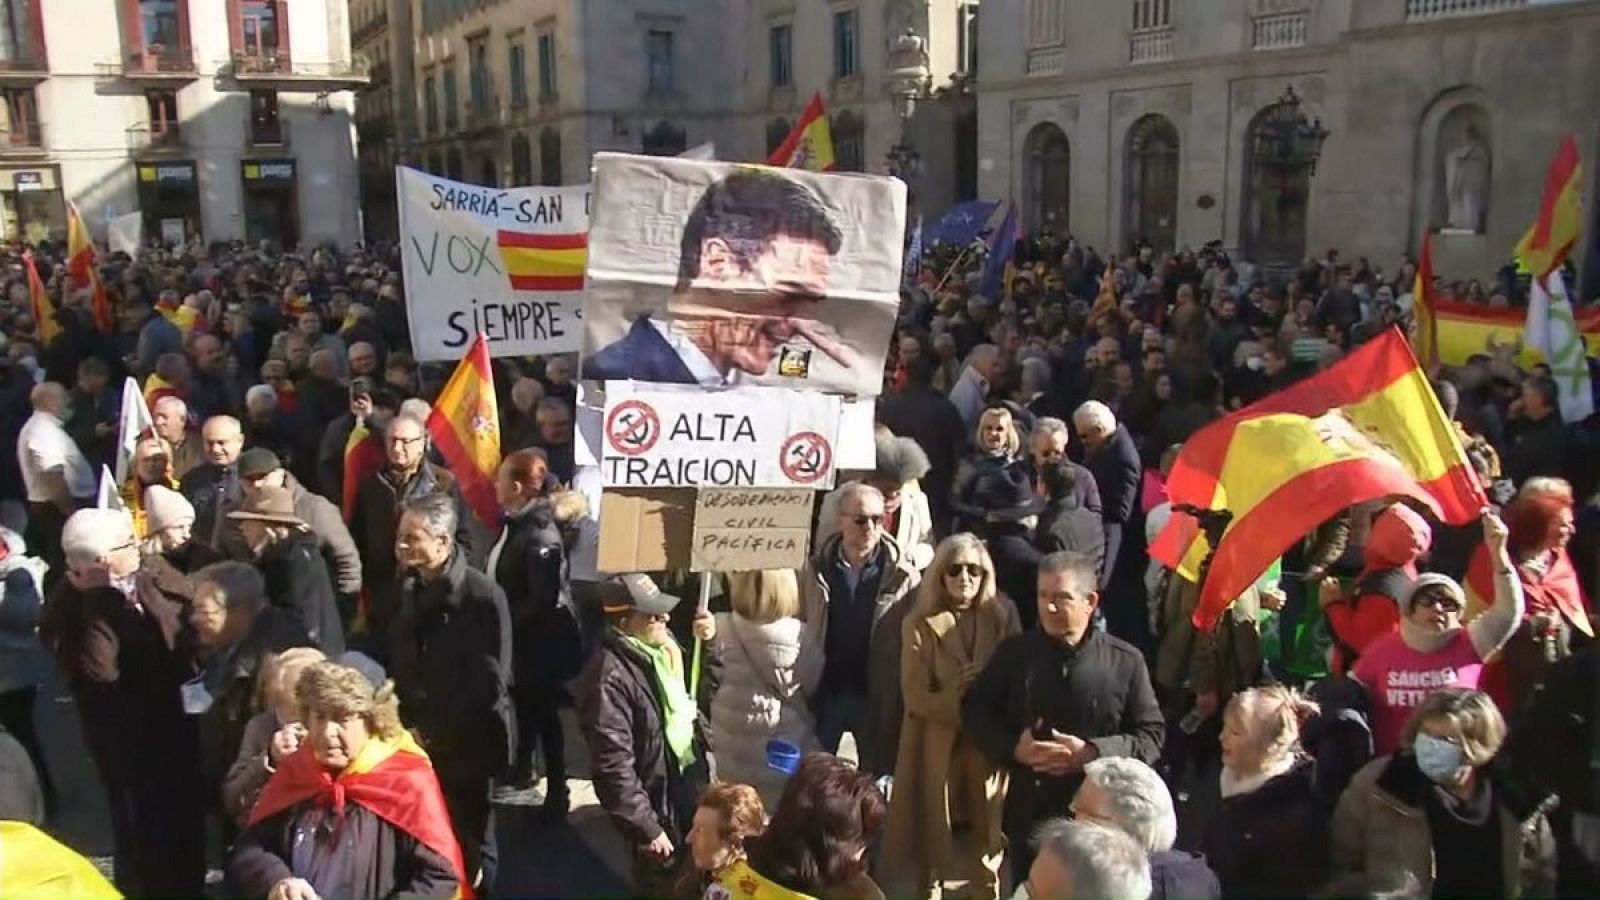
[(1541, 523)]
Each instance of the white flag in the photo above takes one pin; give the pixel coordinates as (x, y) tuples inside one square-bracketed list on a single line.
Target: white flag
[(125, 233), (135, 419), (108, 496), (1553, 332)]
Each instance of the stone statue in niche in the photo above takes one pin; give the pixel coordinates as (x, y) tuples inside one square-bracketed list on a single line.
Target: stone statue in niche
[(1466, 182)]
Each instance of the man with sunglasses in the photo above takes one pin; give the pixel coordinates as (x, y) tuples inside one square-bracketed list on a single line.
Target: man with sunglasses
[(855, 592)]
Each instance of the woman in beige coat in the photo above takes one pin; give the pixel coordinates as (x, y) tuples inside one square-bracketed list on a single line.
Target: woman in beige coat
[(942, 781)]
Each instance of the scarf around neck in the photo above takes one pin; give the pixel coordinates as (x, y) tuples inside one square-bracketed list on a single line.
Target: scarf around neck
[(677, 707)]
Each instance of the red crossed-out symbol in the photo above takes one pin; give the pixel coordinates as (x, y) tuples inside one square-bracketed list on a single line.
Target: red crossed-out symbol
[(632, 428), (805, 457)]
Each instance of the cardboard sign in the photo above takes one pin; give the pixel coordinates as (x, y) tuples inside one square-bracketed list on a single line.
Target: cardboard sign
[(505, 261), (645, 530), (721, 274), (655, 436), (745, 529)]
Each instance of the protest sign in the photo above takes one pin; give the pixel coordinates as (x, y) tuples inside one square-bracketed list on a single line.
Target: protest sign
[(672, 436), (719, 274), (504, 261), (746, 529)]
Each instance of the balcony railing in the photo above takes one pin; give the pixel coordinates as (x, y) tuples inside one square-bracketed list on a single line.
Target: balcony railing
[(1279, 32), (275, 69), (1425, 10), (161, 60), (22, 137), (144, 138), (1154, 45), (1046, 61), (26, 63)]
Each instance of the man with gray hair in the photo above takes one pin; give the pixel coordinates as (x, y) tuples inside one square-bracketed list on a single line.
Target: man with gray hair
[(1055, 698), (114, 637), (450, 657), (1086, 860), (855, 593), (971, 391), (1111, 455), (1127, 795)]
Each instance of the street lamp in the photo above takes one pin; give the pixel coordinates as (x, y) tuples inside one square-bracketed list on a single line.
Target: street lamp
[(1286, 142), (908, 83)]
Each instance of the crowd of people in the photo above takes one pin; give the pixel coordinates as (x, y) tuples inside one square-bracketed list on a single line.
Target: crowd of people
[(292, 627)]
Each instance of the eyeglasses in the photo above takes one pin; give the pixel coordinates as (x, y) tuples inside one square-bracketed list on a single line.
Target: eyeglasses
[(404, 441), (956, 570), (1430, 599), (864, 521)]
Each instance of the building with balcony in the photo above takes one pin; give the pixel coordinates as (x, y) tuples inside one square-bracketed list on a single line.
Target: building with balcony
[(380, 35), (223, 119), (1123, 120)]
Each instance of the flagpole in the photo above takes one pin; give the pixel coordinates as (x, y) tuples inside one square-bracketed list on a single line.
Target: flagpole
[(951, 271)]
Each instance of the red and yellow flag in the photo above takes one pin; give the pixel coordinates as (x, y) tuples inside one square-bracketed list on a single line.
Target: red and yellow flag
[(80, 249), (465, 424), (544, 262), (1556, 229), (810, 144), (103, 318), (1462, 330), (393, 779), (43, 310), (1422, 307), (1368, 427)]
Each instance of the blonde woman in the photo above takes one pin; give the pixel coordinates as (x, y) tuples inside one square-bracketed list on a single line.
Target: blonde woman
[(991, 467), (271, 734), (1269, 836), (942, 779), (772, 663), (1435, 813)]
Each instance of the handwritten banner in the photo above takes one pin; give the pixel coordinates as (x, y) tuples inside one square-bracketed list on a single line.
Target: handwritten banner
[(505, 261), (745, 529)]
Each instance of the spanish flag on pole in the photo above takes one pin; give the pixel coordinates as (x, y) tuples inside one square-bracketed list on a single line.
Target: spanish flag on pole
[(1422, 308), (80, 249), (1366, 428), (43, 310), (465, 424), (810, 145), (1556, 229)]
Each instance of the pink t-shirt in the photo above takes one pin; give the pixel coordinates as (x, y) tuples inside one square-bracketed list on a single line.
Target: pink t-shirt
[(1397, 678)]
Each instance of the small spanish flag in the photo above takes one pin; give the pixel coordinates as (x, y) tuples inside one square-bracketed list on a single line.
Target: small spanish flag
[(102, 303), (1423, 308), (80, 250), (810, 144), (1556, 229), (544, 262), (44, 311), (1368, 427), (465, 424)]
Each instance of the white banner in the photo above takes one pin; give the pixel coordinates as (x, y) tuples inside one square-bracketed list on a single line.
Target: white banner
[(684, 436), (125, 233), (505, 261)]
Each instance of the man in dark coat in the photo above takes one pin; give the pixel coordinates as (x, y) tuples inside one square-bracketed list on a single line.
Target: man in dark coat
[(260, 467), (928, 417), (1056, 698), (409, 477), (213, 486), (1113, 458), (644, 719), (450, 657), (284, 550), (1538, 439), (114, 635)]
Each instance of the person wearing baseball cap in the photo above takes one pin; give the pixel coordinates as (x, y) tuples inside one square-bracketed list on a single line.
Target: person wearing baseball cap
[(640, 709)]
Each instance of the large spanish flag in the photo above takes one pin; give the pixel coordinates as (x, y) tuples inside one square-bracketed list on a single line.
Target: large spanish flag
[(1556, 229), (465, 424), (1365, 428), (43, 310), (544, 262), (810, 143), (392, 778), (1464, 329)]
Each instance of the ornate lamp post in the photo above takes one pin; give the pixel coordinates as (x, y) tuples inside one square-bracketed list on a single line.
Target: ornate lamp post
[(908, 83), (1286, 142)]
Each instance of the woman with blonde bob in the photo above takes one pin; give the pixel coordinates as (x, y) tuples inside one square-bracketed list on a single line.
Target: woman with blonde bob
[(942, 779), (271, 734), (1434, 812), (771, 665), (997, 444), (356, 811)]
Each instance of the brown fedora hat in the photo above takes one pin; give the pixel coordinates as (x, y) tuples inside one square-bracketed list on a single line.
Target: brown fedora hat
[(269, 504)]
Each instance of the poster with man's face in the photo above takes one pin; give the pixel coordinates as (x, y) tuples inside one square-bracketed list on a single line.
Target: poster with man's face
[(723, 274)]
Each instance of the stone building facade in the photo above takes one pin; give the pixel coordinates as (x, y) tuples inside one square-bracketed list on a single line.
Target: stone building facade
[(1125, 119)]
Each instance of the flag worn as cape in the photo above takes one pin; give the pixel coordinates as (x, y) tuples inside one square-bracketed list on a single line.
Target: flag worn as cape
[(392, 778), (1368, 427), (465, 425), (810, 143), (43, 310), (362, 455), (1553, 233)]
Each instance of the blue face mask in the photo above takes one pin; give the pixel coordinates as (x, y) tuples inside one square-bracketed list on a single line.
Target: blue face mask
[(1438, 759)]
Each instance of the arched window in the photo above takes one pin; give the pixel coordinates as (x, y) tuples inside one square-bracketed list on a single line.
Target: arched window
[(454, 168), (1150, 173), (488, 172), (521, 161), (550, 157), (849, 142), (777, 130), (1277, 191), (664, 140), (1048, 178)]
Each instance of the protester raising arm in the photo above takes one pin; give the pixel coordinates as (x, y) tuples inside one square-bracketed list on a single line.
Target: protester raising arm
[(1495, 625)]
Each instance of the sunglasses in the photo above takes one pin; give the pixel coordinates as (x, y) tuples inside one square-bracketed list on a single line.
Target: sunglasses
[(864, 521), (1428, 599), (955, 570)]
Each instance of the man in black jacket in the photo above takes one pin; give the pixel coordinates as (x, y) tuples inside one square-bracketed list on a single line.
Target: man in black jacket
[(213, 486), (1054, 699), (450, 657), (643, 717), (928, 417)]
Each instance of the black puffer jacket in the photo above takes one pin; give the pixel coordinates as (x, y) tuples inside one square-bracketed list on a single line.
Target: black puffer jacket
[(531, 567), (1273, 841), (374, 522)]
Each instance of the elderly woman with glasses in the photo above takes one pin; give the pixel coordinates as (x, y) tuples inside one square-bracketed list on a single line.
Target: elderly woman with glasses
[(942, 779), (1433, 649), (1434, 812)]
